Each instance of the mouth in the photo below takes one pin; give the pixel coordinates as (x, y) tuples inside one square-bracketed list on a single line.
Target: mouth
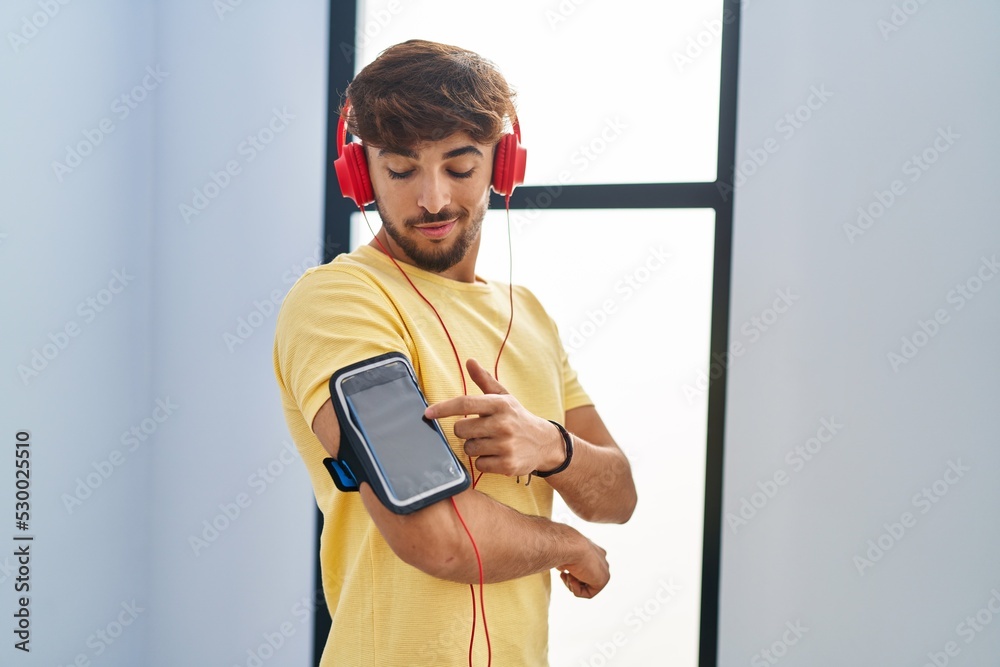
[(437, 230)]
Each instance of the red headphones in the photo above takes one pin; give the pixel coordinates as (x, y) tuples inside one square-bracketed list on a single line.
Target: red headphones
[(351, 166)]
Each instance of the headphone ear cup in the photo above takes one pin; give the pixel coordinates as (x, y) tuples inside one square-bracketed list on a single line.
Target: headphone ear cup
[(508, 165), (364, 190), (352, 175), (500, 165)]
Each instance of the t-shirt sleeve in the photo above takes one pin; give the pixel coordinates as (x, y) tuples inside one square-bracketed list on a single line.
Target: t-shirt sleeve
[(574, 395), (330, 319)]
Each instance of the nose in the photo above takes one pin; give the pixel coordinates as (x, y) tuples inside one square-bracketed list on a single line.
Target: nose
[(434, 193)]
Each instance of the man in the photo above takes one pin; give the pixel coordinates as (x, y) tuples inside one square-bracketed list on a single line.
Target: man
[(397, 586)]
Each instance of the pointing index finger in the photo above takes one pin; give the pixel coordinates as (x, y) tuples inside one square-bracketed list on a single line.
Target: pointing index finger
[(461, 405)]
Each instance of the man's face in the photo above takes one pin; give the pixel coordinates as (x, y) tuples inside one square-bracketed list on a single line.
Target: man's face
[(433, 198)]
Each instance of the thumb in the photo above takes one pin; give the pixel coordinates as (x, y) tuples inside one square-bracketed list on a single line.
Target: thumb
[(483, 379)]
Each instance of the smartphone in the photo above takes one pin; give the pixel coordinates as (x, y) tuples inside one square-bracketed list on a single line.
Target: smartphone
[(403, 455)]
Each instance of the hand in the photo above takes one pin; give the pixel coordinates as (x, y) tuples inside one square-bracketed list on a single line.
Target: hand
[(587, 576), (506, 438)]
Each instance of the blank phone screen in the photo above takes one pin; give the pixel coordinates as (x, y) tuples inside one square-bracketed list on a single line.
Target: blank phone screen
[(411, 453)]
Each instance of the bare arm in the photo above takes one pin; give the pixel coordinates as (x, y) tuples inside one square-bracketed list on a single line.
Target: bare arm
[(598, 483), (511, 544)]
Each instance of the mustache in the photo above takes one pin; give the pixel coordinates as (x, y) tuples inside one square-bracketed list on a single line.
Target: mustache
[(440, 216)]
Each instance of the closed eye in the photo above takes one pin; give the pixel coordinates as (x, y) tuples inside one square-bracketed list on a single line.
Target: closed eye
[(401, 175)]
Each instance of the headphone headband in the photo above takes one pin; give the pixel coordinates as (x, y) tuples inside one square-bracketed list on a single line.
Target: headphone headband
[(342, 128)]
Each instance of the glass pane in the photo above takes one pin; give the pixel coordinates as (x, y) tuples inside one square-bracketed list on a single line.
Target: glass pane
[(608, 92), (636, 322)]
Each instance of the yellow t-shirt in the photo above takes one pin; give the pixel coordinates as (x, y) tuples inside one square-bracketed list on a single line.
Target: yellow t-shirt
[(385, 612)]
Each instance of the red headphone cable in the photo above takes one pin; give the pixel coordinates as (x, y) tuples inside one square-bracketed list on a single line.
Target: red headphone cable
[(465, 392)]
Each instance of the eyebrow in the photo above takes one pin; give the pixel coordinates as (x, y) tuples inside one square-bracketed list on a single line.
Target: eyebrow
[(412, 154), (405, 152), (464, 150)]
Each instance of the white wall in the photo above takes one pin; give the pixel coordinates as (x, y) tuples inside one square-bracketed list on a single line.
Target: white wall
[(259, 72), (63, 236), (856, 295), (162, 335), (219, 78)]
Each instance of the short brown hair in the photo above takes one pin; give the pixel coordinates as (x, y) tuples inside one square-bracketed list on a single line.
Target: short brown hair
[(424, 91)]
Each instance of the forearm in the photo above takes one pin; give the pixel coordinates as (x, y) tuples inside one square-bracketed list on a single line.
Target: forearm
[(598, 483), (511, 544)]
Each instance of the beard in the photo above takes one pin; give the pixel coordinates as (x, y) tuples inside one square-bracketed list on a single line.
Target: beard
[(439, 257)]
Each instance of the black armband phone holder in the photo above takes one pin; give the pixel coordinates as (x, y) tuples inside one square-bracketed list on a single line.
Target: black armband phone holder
[(386, 441)]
